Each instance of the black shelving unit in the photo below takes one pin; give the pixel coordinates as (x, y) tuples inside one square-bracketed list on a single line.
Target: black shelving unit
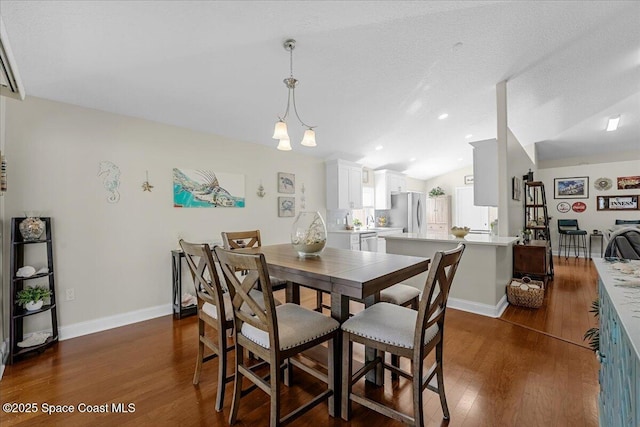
[(19, 314), (536, 217)]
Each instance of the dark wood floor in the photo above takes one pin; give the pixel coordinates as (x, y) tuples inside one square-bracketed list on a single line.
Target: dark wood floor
[(565, 310), (496, 374)]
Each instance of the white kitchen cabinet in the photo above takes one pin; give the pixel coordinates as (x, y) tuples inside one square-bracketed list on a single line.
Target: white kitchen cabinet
[(485, 172), (439, 214), (344, 185), (387, 182)]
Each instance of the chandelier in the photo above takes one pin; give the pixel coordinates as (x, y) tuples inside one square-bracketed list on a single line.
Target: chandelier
[(280, 131)]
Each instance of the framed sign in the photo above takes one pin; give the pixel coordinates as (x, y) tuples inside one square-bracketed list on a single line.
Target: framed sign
[(628, 182), (618, 203), (579, 207), (468, 179), (571, 188), (563, 207)]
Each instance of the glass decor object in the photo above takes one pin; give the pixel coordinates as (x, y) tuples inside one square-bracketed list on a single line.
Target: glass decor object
[(309, 234), (31, 228)]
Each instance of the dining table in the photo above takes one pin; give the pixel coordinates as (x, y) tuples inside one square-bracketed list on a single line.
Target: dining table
[(346, 275)]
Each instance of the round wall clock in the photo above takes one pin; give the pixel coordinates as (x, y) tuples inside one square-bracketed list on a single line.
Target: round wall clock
[(563, 207), (579, 207), (602, 184)]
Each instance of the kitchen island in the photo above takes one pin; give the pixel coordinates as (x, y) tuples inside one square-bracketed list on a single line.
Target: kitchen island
[(484, 271)]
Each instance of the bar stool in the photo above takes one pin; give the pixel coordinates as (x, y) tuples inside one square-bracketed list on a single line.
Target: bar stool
[(570, 235)]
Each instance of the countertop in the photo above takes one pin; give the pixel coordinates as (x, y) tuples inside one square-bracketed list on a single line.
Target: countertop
[(470, 239), (367, 230)]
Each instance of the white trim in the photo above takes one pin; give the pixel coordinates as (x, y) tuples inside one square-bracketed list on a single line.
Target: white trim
[(479, 308), (104, 323)]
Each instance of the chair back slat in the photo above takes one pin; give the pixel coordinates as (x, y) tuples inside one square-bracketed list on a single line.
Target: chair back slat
[(239, 287), (241, 239), (433, 304), (206, 281), (567, 224)]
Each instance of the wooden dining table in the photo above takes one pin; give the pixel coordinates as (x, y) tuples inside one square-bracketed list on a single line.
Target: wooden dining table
[(346, 275)]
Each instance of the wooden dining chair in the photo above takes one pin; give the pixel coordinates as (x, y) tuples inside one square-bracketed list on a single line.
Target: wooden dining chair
[(406, 333), (251, 239), (214, 310), (274, 334)]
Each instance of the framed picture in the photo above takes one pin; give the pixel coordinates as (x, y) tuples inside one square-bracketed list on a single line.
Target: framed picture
[(365, 176), (199, 188), (617, 203), (628, 182), (286, 206), (516, 188), (468, 179), (286, 183), (571, 188)]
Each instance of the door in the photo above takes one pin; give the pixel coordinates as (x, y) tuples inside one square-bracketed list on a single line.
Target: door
[(469, 215)]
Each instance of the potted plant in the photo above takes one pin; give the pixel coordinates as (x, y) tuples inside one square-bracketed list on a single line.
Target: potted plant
[(436, 191), (32, 298)]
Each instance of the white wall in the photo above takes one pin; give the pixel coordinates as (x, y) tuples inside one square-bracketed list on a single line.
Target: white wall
[(117, 256), (415, 184), (518, 164), (591, 218)]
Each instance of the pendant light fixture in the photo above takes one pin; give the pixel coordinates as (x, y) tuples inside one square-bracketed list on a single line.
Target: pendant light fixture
[(280, 131)]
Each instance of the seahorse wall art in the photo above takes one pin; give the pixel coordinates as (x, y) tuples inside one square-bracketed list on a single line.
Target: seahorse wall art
[(110, 174)]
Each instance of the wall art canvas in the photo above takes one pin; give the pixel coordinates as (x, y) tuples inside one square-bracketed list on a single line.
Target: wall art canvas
[(110, 174), (571, 188), (198, 188), (628, 182), (286, 183), (286, 206), (617, 203), (468, 179)]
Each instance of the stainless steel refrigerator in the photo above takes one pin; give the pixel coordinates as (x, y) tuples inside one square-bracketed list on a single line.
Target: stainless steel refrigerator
[(409, 211)]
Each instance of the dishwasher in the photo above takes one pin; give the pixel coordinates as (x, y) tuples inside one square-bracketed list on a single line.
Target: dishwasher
[(369, 242)]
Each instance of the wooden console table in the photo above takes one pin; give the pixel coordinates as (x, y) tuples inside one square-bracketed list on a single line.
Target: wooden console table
[(532, 259)]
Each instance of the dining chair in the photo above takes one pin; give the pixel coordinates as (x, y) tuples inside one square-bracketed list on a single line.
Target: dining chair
[(214, 310), (570, 234), (274, 334), (251, 239), (401, 294), (406, 333)]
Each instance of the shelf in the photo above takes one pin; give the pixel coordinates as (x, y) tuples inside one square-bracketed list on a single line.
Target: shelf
[(536, 227), (35, 276), (534, 205), (20, 313), (29, 242), (19, 351)]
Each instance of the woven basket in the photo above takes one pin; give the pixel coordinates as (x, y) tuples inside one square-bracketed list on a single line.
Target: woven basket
[(531, 298)]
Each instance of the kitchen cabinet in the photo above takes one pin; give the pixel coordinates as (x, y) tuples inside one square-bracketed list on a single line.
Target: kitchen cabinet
[(387, 182), (439, 214), (485, 172), (344, 185)]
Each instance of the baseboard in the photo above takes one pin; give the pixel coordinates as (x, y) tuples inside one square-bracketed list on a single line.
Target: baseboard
[(478, 307), (110, 322)]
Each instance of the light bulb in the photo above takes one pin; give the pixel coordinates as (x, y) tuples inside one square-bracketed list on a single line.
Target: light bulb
[(309, 139), (280, 131), (284, 144)]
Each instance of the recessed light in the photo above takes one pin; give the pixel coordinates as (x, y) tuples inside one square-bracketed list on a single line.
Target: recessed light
[(468, 136), (413, 159), (379, 147), (613, 123), (443, 116)]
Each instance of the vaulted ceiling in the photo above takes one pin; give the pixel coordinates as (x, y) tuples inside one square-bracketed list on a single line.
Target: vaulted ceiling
[(372, 73)]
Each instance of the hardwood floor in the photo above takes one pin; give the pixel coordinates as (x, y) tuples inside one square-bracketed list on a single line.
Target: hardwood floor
[(496, 374), (565, 310)]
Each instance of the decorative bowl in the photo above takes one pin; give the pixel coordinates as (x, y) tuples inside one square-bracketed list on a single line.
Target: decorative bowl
[(460, 232)]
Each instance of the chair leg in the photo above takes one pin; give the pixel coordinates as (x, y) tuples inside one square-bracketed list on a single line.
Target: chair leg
[(395, 361), (418, 403), (237, 385), (347, 366), (196, 375), (275, 393), (222, 370), (331, 376), (440, 376)]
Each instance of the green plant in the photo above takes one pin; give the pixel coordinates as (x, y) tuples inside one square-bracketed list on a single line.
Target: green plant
[(436, 191), (357, 222), (34, 294), (593, 334)]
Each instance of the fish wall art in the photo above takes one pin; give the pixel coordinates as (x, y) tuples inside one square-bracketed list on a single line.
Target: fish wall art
[(197, 188)]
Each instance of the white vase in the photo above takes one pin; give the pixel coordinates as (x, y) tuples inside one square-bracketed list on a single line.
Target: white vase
[(309, 234), (34, 305)]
